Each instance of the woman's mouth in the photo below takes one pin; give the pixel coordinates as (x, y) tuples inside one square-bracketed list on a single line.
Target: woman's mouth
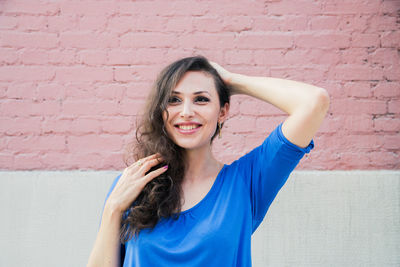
[(188, 129)]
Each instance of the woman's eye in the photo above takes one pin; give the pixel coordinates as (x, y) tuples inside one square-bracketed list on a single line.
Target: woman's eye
[(173, 99), (202, 99)]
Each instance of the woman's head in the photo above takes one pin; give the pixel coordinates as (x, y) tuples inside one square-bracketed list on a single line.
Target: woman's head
[(157, 133), (188, 76)]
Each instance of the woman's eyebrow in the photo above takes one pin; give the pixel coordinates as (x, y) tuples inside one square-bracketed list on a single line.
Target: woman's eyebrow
[(195, 93)]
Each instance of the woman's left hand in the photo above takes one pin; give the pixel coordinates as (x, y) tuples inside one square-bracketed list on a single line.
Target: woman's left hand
[(227, 77)]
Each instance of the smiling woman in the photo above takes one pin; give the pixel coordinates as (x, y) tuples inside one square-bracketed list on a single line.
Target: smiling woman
[(192, 116), (181, 205)]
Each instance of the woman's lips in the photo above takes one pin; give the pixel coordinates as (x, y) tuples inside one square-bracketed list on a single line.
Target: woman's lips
[(188, 131)]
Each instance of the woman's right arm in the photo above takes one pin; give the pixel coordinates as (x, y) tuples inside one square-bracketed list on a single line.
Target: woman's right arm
[(106, 250)]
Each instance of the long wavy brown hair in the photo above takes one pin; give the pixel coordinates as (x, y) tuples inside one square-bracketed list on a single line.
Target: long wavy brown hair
[(161, 197)]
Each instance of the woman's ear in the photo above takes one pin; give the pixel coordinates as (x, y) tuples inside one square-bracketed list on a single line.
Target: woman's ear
[(223, 113)]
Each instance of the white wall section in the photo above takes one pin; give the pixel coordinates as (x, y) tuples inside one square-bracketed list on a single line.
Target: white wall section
[(319, 218)]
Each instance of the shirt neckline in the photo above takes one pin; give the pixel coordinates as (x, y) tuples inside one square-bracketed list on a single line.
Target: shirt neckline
[(206, 196)]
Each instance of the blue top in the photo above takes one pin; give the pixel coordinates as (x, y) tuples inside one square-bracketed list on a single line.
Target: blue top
[(217, 230)]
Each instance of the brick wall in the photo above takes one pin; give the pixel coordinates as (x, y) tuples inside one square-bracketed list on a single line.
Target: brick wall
[(74, 74)]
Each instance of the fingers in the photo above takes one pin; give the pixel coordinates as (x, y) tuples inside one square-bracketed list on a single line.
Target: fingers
[(153, 156), (225, 74), (214, 64), (133, 180), (151, 175), (140, 162), (149, 164), (137, 171), (217, 66)]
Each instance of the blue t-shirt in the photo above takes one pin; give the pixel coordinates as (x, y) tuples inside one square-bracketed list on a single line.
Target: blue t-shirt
[(217, 230)]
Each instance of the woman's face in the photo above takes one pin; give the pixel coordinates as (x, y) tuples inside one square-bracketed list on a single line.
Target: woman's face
[(194, 111)]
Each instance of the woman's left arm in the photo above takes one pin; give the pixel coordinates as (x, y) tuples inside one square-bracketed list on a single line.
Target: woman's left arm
[(306, 104)]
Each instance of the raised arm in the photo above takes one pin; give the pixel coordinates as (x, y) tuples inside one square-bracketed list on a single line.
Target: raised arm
[(106, 249), (306, 104)]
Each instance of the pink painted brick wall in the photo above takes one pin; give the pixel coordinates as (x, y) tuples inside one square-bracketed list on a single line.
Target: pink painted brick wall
[(74, 74)]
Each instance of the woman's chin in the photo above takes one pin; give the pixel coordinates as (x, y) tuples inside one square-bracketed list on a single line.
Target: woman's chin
[(191, 145)]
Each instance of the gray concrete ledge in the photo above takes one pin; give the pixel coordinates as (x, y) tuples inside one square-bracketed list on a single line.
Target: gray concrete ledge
[(319, 218)]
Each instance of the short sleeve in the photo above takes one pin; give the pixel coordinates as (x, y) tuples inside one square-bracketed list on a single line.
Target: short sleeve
[(266, 168)]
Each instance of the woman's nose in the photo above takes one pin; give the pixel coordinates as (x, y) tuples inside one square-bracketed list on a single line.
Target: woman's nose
[(187, 110)]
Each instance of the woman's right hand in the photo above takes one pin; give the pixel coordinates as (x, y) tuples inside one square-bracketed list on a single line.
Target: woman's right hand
[(132, 182), (106, 250)]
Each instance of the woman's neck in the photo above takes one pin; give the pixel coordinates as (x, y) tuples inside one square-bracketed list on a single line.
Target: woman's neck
[(200, 163)]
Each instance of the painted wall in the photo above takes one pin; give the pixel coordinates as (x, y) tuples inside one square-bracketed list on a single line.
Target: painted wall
[(74, 75)]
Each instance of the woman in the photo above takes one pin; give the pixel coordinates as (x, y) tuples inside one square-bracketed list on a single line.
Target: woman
[(179, 206)]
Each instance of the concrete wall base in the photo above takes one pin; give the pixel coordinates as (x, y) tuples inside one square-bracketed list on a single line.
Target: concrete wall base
[(319, 218)]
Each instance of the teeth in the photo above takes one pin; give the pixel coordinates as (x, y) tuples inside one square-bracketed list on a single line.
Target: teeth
[(187, 127)]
